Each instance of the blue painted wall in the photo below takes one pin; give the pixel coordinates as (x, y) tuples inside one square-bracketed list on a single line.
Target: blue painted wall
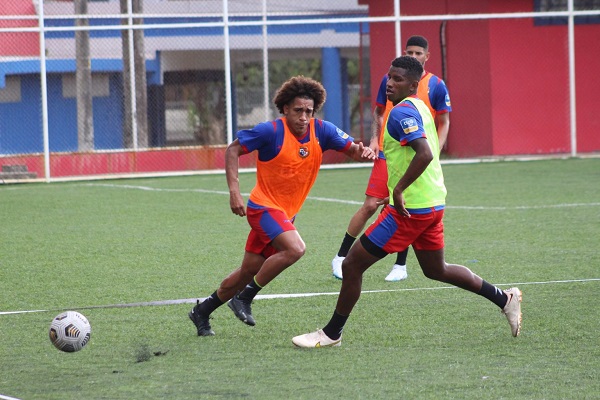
[(21, 123), (335, 81)]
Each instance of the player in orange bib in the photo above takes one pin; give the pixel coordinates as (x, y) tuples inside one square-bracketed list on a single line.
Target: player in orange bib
[(289, 152)]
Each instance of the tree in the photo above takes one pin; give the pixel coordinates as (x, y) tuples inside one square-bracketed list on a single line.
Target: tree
[(83, 81), (139, 62)]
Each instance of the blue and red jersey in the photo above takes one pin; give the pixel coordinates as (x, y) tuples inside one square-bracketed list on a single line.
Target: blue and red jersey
[(438, 99), (267, 138)]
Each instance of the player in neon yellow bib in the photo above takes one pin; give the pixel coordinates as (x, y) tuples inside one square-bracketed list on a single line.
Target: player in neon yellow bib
[(428, 189), (414, 215)]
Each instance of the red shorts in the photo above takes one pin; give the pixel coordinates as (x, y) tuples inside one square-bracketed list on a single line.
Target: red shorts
[(377, 186), (394, 233), (266, 224)]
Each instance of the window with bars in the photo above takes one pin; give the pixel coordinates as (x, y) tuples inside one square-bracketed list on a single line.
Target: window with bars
[(562, 5)]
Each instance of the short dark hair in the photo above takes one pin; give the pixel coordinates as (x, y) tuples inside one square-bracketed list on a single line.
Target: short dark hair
[(413, 67), (417, 40), (300, 86)]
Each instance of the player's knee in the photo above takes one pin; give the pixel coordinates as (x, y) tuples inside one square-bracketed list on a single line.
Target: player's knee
[(434, 273), (298, 251), (369, 208), (295, 252)]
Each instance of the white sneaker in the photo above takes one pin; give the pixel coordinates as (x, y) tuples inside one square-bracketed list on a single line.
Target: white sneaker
[(512, 310), (336, 265), (398, 273), (316, 339)]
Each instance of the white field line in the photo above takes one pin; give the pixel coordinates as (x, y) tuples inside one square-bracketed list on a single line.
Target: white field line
[(332, 200), (286, 296), (541, 206), (2, 397)]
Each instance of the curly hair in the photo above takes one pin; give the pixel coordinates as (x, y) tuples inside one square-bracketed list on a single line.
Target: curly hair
[(300, 86)]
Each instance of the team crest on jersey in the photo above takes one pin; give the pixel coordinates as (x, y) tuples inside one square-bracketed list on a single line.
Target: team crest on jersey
[(303, 152), (341, 133), (409, 125)]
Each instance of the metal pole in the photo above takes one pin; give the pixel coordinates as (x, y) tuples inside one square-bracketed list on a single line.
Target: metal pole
[(131, 60), (44, 90), (228, 102), (572, 98), (265, 64), (397, 28)]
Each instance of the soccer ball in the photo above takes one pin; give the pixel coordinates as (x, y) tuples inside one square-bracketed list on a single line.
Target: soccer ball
[(70, 331)]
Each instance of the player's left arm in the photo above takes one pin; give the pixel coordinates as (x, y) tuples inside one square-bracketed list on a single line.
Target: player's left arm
[(441, 103), (360, 152), (442, 122), (333, 138)]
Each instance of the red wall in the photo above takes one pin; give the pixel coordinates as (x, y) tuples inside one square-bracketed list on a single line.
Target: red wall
[(508, 79), (18, 44), (143, 161), (587, 59)]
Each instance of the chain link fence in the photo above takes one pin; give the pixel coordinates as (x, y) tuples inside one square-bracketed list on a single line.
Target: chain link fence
[(97, 88)]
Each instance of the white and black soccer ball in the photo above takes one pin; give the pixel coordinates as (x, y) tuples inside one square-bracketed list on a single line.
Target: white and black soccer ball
[(70, 331)]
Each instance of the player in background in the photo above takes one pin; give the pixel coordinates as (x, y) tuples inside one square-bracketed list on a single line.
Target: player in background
[(289, 156), (414, 215), (433, 91)]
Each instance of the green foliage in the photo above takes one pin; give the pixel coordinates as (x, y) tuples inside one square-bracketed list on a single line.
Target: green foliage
[(281, 70), (89, 245), (250, 74)]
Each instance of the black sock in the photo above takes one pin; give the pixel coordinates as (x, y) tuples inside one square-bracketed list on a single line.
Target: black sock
[(250, 291), (210, 304), (335, 326), (401, 257), (346, 244), (493, 294)]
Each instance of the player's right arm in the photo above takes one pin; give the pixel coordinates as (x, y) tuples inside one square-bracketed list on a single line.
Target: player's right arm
[(232, 155), (378, 115), (260, 138), (376, 127)]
